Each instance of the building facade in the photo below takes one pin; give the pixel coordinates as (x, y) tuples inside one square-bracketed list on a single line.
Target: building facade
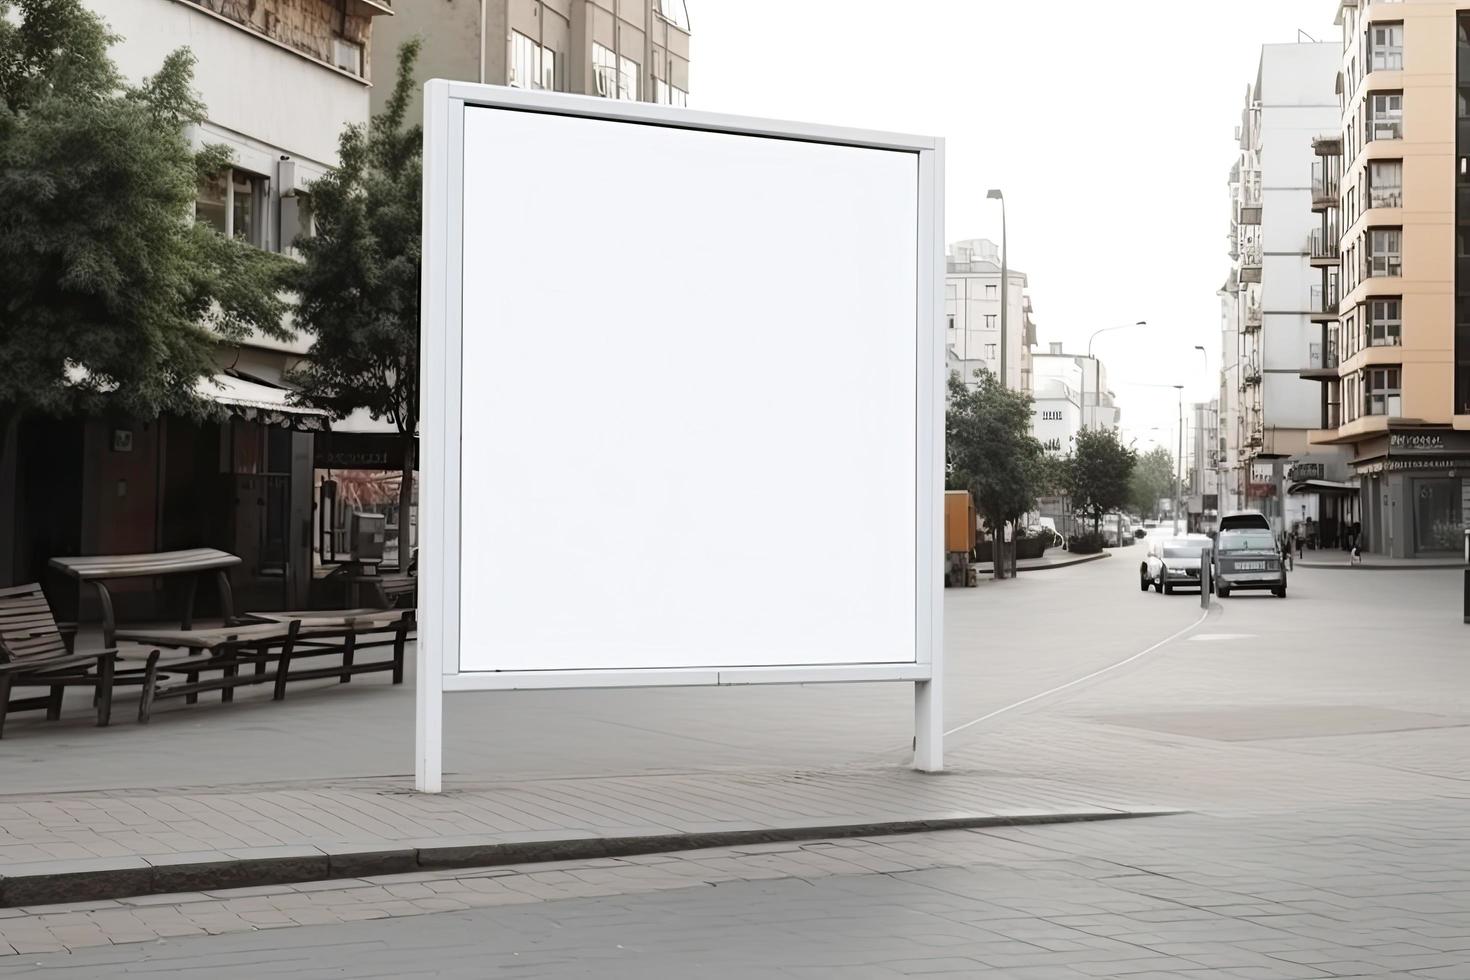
[(972, 306), (1396, 383), (1277, 249), (1201, 483), (618, 49), (1080, 379), (280, 80)]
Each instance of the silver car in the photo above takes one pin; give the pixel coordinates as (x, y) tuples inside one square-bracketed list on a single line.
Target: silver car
[(1248, 559), (1173, 563)]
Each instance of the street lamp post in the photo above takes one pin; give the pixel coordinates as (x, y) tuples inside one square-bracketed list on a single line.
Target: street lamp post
[(1097, 373), (994, 194), (1179, 463)]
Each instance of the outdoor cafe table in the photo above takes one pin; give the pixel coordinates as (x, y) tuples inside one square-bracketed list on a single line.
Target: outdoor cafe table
[(99, 569)]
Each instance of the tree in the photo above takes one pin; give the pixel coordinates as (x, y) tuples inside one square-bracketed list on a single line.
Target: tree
[(990, 451), (1152, 480), (1098, 473), (358, 287), (110, 294)]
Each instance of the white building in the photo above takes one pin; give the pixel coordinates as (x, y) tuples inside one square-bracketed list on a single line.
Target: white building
[(1084, 378), (1056, 389), (972, 306), (1269, 335)]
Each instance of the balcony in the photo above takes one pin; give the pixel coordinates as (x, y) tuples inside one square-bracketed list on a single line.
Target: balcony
[(1323, 250), (1323, 303), (1325, 187), (1329, 145), (1321, 363)]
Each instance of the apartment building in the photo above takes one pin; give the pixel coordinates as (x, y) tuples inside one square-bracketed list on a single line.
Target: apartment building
[(618, 49), (1396, 368), (1267, 406), (280, 80), (972, 306)]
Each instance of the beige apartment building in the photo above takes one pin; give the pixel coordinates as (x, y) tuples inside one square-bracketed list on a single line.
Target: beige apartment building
[(618, 49), (1395, 365)]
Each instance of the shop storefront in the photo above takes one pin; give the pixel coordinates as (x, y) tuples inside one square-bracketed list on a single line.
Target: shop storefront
[(1415, 492)]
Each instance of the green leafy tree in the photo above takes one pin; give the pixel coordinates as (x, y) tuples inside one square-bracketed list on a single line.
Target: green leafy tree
[(1152, 480), (1099, 472), (110, 294), (358, 287), (990, 451)]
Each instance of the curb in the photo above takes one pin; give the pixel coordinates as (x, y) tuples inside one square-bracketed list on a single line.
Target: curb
[(97, 879), (1378, 567), (1079, 560)]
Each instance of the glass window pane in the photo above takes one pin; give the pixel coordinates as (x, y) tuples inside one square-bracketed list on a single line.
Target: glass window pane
[(209, 206), (245, 226), (1438, 521)]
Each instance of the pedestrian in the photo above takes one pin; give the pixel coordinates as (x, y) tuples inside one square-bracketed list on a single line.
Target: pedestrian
[(1311, 534), (1301, 539)]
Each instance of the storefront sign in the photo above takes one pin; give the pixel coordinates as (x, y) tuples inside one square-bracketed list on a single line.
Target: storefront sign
[(358, 451), (1412, 465), (1432, 443), (1306, 471)]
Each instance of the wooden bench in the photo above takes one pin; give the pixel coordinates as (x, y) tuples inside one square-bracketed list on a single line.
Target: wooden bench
[(346, 632), (37, 651)]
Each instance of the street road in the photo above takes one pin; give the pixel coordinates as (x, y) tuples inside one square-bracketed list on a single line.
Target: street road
[(1320, 742)]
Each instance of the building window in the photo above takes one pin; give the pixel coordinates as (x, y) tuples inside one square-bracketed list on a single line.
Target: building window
[(1386, 116), (951, 321), (629, 76), (532, 65), (1386, 183), (232, 202), (604, 71), (1350, 333), (990, 291), (1386, 47), (1385, 321), (990, 321), (1385, 252), (990, 351), (666, 94), (1438, 518), (1381, 392)]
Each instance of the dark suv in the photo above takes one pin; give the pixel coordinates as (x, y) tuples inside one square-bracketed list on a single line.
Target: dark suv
[(1248, 559)]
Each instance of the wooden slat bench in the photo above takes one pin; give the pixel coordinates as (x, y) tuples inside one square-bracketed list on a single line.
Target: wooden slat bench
[(37, 651)]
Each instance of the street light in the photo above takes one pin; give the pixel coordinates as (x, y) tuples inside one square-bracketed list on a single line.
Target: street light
[(1179, 463), (1005, 278), (1178, 468), (1097, 372)]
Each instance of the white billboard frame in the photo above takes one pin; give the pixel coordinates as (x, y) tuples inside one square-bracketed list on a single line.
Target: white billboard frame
[(438, 649)]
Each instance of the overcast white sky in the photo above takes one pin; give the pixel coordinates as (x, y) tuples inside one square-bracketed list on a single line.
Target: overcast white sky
[(1109, 128)]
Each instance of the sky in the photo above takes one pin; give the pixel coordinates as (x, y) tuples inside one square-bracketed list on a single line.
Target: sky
[(1109, 127)]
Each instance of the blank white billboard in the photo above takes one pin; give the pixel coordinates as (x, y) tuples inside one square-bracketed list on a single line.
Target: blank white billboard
[(689, 405), (682, 415)]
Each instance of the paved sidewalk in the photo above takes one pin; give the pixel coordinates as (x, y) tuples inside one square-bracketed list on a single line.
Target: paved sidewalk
[(106, 844), (1379, 891)]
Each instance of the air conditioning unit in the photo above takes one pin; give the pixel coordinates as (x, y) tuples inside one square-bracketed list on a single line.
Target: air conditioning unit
[(347, 55)]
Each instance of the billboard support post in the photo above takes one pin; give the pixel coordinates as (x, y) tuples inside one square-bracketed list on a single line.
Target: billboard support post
[(763, 203)]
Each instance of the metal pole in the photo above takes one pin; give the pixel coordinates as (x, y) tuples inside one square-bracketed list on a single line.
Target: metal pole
[(1179, 462), (1005, 285)]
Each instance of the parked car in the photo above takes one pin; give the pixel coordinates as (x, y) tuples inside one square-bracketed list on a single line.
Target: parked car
[(1173, 563), (1247, 559), (1238, 520)]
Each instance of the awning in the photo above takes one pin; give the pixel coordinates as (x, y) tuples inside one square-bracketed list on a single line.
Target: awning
[(1328, 487), (260, 403), (360, 421)]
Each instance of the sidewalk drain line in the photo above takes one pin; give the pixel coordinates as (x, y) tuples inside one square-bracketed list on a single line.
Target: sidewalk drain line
[(1085, 677)]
